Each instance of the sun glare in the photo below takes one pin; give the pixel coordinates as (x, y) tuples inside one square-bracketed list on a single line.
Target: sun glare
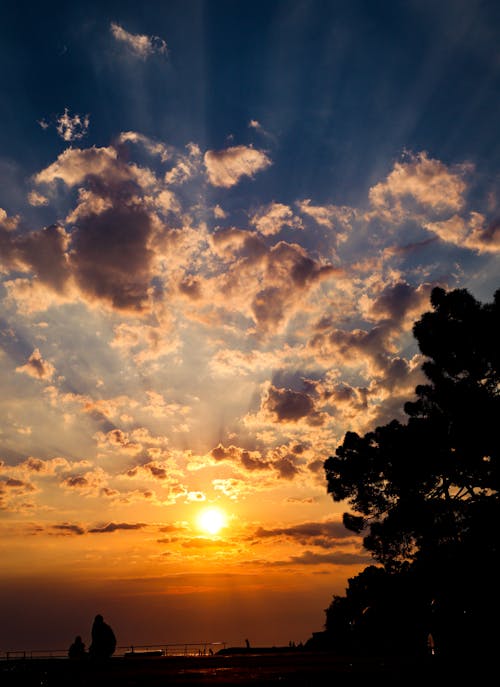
[(211, 520)]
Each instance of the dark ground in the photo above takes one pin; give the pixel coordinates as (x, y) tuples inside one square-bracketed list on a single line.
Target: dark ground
[(294, 669)]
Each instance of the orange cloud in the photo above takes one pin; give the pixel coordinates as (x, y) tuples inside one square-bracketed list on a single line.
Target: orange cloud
[(226, 167), (37, 367)]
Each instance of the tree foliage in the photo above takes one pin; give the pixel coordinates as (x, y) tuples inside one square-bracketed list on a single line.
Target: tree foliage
[(425, 493)]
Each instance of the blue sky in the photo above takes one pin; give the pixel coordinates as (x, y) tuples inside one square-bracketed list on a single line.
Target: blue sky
[(218, 223)]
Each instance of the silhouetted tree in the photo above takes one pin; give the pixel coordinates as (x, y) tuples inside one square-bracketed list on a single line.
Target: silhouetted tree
[(425, 494)]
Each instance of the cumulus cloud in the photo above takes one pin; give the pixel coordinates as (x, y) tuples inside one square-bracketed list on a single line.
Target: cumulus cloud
[(419, 186), (72, 128), (270, 219), (7, 223), (397, 302), (153, 147), (186, 166), (250, 460), (75, 164), (37, 367), (329, 216), (472, 233), (226, 167), (286, 405), (36, 199), (42, 252), (139, 45), (280, 460), (267, 283), (89, 483), (110, 258)]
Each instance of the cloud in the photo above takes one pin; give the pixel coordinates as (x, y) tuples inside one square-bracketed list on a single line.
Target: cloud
[(66, 529), (226, 167), (36, 199), (41, 251), (153, 147), (13, 493), (116, 526), (472, 233), (51, 466), (286, 467), (417, 187), (249, 460), (336, 558), (88, 483), (270, 219), (325, 534), (37, 367), (7, 223), (398, 302), (72, 128), (286, 405), (110, 258), (138, 44), (330, 216)]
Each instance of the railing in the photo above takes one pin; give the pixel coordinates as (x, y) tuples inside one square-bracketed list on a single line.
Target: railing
[(130, 651)]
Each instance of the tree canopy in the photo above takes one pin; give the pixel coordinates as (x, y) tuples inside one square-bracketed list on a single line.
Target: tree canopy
[(424, 494)]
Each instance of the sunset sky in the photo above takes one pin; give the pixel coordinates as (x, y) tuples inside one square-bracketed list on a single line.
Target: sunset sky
[(218, 222)]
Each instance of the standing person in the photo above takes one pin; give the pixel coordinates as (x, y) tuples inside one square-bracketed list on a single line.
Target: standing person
[(77, 649), (103, 639)]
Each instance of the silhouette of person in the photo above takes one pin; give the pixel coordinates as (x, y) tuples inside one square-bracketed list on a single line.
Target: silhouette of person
[(103, 639), (77, 649)]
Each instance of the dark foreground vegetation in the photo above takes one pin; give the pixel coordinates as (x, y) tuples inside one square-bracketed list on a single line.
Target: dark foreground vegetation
[(424, 495)]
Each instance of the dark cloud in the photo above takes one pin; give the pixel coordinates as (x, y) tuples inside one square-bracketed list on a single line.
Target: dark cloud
[(286, 467), (287, 405), (75, 482), (115, 526), (324, 534), (156, 471), (41, 253), (68, 530), (37, 367), (398, 300), (249, 460), (191, 287), (336, 558), (12, 483), (110, 257)]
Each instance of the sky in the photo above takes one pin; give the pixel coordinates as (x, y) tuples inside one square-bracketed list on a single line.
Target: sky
[(219, 221)]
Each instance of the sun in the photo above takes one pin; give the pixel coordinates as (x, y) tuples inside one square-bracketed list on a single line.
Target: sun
[(211, 520)]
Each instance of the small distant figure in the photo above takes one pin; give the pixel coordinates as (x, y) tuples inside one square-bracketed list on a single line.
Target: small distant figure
[(247, 643), (103, 639), (77, 649)]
